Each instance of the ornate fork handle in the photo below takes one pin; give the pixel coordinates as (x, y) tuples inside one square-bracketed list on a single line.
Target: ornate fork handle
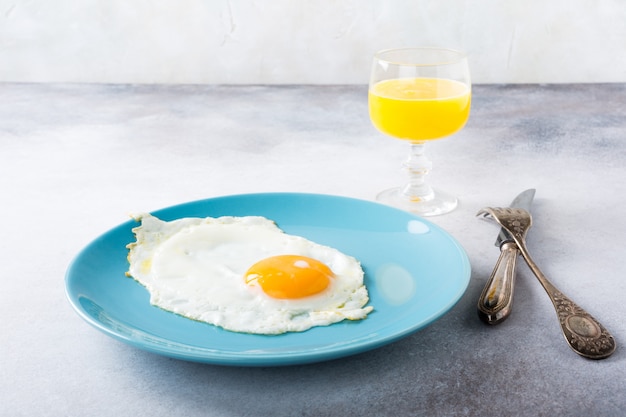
[(585, 335)]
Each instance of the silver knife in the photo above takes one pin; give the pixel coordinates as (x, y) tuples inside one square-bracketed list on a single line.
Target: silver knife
[(496, 300)]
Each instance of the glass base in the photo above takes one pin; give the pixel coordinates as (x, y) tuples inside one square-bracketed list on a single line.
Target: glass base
[(436, 203)]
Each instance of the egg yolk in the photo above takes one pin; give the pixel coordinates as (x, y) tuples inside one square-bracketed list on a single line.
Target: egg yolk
[(290, 276)]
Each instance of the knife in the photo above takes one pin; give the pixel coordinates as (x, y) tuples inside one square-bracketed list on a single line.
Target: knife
[(496, 300)]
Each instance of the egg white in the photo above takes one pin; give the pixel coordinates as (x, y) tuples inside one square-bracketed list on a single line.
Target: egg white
[(195, 267)]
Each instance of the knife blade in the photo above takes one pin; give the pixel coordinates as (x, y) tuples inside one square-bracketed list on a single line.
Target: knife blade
[(496, 300)]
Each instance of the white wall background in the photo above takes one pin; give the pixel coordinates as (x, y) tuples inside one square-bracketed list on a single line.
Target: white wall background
[(305, 41)]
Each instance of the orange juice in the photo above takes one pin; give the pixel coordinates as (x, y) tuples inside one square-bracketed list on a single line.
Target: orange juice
[(419, 109)]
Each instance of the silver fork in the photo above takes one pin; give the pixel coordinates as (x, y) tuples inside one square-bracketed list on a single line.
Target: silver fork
[(584, 334)]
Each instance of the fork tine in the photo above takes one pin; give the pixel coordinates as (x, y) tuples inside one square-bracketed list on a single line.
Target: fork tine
[(485, 213), (515, 220)]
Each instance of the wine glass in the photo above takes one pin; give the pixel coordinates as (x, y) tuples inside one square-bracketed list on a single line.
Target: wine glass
[(419, 95)]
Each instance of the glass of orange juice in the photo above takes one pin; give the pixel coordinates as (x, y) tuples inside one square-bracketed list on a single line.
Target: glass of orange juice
[(419, 95)]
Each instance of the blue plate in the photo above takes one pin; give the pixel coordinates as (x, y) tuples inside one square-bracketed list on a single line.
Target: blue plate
[(414, 271)]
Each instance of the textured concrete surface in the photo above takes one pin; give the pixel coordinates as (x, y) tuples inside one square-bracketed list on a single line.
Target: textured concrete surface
[(76, 159)]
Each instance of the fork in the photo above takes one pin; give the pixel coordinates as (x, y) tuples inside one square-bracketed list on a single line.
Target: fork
[(584, 334)]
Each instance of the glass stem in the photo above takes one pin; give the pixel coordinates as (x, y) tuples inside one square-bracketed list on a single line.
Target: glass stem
[(417, 165)]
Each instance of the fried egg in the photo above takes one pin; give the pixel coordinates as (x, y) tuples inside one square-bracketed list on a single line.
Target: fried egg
[(245, 274)]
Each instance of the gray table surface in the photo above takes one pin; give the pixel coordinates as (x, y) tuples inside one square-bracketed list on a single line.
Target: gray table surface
[(76, 159)]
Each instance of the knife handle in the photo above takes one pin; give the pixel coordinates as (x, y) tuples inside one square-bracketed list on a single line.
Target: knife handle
[(496, 300)]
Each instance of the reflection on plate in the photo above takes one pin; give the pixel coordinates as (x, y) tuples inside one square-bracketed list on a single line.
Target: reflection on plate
[(414, 271)]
